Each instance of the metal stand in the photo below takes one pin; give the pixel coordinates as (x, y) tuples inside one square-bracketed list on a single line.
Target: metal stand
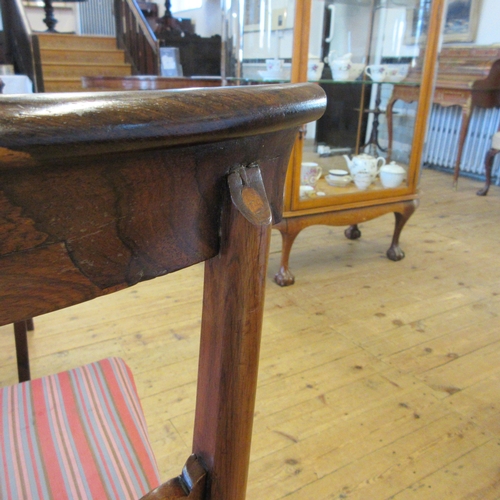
[(373, 140)]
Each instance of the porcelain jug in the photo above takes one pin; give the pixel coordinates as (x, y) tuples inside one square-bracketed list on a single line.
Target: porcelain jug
[(364, 163), (340, 66)]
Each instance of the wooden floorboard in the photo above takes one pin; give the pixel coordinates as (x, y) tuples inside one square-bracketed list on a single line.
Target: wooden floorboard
[(378, 379)]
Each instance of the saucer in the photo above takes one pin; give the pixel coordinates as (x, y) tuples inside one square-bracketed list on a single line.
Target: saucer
[(338, 181), (272, 75), (338, 172)]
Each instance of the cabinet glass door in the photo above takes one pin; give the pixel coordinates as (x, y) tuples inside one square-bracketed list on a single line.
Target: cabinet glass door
[(257, 37), (369, 57)]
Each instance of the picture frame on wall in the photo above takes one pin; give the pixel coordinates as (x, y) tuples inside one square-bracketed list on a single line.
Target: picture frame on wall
[(252, 15), (460, 25)]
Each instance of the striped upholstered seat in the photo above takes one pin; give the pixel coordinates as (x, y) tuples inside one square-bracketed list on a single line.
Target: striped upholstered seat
[(88, 424)]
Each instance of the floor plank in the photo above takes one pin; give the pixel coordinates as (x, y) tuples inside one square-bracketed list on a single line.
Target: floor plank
[(378, 380)]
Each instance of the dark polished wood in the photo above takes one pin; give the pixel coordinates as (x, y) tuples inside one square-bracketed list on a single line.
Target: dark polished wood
[(190, 484), (221, 411), (22, 353), (99, 191), (146, 82), (467, 77)]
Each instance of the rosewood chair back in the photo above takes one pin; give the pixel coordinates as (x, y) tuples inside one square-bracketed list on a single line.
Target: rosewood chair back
[(101, 191)]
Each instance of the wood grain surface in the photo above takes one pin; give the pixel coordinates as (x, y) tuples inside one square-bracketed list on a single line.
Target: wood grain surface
[(111, 189), (377, 379)]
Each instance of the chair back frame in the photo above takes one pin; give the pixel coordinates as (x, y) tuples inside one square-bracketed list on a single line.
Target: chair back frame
[(101, 191)]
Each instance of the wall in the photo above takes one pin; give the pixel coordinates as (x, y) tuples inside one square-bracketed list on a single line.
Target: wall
[(207, 19), (64, 13), (488, 31)]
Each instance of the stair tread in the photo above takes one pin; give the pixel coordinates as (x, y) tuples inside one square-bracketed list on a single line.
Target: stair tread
[(68, 35), (66, 58), (76, 63), (72, 49)]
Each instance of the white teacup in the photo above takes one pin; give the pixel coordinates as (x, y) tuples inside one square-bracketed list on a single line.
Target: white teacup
[(310, 173), (274, 64), (314, 69), (356, 70), (396, 72), (362, 180), (376, 72), (341, 70)]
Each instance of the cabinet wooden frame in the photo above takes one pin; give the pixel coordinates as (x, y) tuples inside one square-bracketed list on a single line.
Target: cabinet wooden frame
[(355, 207)]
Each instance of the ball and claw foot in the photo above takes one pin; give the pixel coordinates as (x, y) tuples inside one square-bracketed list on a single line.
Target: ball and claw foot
[(395, 253), (284, 277), (352, 232)]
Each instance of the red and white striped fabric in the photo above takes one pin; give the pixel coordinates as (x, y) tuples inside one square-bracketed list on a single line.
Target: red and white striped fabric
[(80, 434)]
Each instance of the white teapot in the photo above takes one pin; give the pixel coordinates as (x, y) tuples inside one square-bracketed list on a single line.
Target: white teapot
[(364, 163)]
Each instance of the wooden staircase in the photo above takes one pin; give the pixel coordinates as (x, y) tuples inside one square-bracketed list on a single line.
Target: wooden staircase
[(66, 58)]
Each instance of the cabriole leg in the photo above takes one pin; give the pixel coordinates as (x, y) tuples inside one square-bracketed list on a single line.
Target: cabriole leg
[(394, 252), (488, 165), (284, 276)]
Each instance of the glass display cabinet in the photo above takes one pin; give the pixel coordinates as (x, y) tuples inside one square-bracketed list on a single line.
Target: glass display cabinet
[(355, 163)]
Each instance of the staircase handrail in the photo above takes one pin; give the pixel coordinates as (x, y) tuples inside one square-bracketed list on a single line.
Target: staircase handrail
[(135, 36), (21, 42)]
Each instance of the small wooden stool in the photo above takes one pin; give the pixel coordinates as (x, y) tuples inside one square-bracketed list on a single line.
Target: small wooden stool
[(488, 163)]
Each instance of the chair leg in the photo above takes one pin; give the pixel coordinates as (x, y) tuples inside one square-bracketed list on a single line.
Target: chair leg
[(229, 352), (21, 337)]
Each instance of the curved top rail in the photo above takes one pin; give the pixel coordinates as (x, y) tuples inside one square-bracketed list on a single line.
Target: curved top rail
[(59, 126)]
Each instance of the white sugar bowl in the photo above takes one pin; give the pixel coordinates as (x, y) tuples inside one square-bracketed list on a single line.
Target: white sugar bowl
[(392, 175)]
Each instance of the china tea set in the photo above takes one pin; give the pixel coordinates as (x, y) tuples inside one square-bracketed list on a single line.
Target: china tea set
[(343, 69), (362, 170)]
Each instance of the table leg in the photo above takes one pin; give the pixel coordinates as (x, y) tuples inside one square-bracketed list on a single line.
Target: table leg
[(289, 231), (488, 165), (466, 112)]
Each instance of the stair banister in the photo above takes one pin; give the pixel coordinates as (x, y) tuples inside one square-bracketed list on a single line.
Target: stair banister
[(21, 42), (135, 36)]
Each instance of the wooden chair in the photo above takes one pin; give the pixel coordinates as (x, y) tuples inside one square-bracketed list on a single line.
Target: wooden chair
[(94, 84), (101, 191), (106, 83)]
